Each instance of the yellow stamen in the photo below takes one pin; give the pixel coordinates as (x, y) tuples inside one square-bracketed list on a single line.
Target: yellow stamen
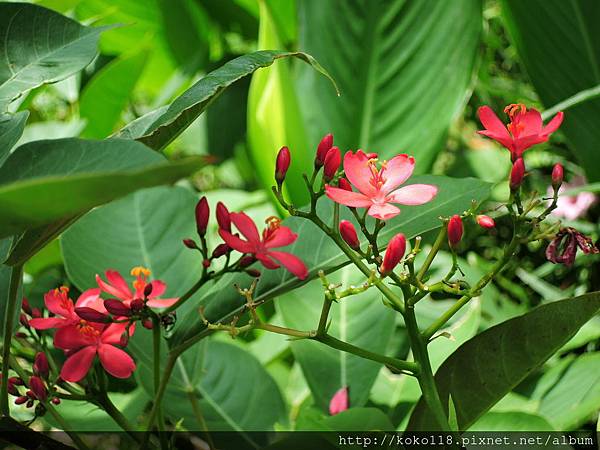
[(140, 271), (273, 222)]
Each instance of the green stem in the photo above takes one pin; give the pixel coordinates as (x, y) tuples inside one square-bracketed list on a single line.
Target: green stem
[(156, 375), (439, 241), (574, 100), (203, 279), (322, 327), (16, 276), (108, 406), (200, 417)]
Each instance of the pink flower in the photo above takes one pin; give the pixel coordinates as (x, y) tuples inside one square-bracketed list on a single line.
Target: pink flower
[(377, 186), (525, 129), (86, 340), (118, 287), (339, 401), (572, 207), (275, 235)]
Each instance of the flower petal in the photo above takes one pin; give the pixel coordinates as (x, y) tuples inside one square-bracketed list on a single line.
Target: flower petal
[(116, 361), (78, 364), (266, 261), (492, 123), (358, 172), (70, 338), (161, 302), (55, 303), (246, 226), (236, 243), (413, 194), (348, 198), (158, 288), (281, 237), (51, 322), (397, 171), (339, 401), (383, 211), (91, 299), (292, 263), (112, 290), (506, 141), (553, 125), (112, 333), (532, 122)]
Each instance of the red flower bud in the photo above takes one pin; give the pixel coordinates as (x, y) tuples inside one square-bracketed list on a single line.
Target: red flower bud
[(124, 339), (516, 174), (12, 388), (29, 404), (137, 304), (485, 221), (23, 320), (37, 386), (148, 290), (223, 218), (55, 401), (16, 381), (333, 159), (202, 214), (117, 307), (282, 164), (255, 273), (206, 263), (557, 175), (35, 312), (190, 243), (322, 149), (40, 365), (393, 254), (91, 315), (344, 184), (455, 230), (147, 323), (21, 400), (348, 233), (25, 306), (220, 250), (245, 261)]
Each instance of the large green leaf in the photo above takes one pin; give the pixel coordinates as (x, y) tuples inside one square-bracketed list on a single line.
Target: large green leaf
[(40, 46), (318, 252), (558, 43), (47, 181), (107, 93), (404, 69), (172, 121), (362, 320), (511, 421), (487, 367), (11, 129)]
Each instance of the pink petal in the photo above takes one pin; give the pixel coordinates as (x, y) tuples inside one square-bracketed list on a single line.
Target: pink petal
[(78, 364), (339, 402), (505, 141), (553, 124), (112, 333), (69, 338), (161, 302), (117, 280), (91, 299), (116, 361), (51, 322), (266, 261), (358, 172), (54, 303), (110, 289), (348, 198), (490, 121), (414, 194), (158, 288), (246, 226), (236, 243), (292, 263), (384, 212), (281, 237), (532, 122), (397, 171)]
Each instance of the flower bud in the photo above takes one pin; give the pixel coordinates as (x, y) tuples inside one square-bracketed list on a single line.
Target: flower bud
[(23, 320), (393, 254), (117, 307), (148, 290), (557, 175), (344, 184), (12, 387), (516, 174), (124, 339), (40, 365), (223, 217), (322, 149), (37, 387), (137, 304), (26, 307), (91, 315), (21, 400), (147, 324), (190, 243), (206, 263), (485, 221), (455, 230), (16, 381), (282, 164), (202, 214), (36, 313), (220, 250), (348, 233), (55, 401), (339, 402), (247, 260), (254, 273), (333, 159), (29, 404)]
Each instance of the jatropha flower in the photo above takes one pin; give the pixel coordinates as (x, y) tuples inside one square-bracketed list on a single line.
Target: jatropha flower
[(274, 235), (563, 248), (339, 402), (118, 287), (378, 185), (525, 129)]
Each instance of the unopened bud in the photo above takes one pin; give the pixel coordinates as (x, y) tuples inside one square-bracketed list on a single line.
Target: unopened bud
[(557, 176), (16, 381), (245, 261), (455, 230), (333, 159), (148, 290), (254, 273), (348, 233), (202, 215), (148, 324), (20, 335), (21, 400), (516, 174), (91, 315), (393, 254), (23, 320), (40, 365), (282, 164), (37, 386), (36, 313), (26, 307), (223, 217), (344, 184), (137, 304), (220, 250), (29, 404), (206, 263), (190, 243), (322, 149), (124, 339), (117, 307), (12, 388), (55, 401), (485, 221)]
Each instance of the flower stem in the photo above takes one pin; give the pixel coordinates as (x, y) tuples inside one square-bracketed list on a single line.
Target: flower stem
[(156, 375), (16, 277), (439, 241), (200, 417)]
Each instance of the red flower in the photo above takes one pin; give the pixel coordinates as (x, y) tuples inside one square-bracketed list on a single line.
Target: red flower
[(275, 235), (485, 221), (118, 287), (322, 149), (282, 164), (378, 186), (393, 254), (563, 248), (525, 129)]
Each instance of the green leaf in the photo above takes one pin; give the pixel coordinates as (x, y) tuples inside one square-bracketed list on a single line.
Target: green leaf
[(40, 46), (319, 253), (11, 129), (188, 106), (404, 69), (108, 92), (359, 419), (511, 421), (361, 320), (48, 181), (572, 50), (477, 381)]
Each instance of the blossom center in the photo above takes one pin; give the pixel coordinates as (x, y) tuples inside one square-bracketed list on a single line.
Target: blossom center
[(63, 295), (141, 274), (87, 330), (273, 224), (378, 178)]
